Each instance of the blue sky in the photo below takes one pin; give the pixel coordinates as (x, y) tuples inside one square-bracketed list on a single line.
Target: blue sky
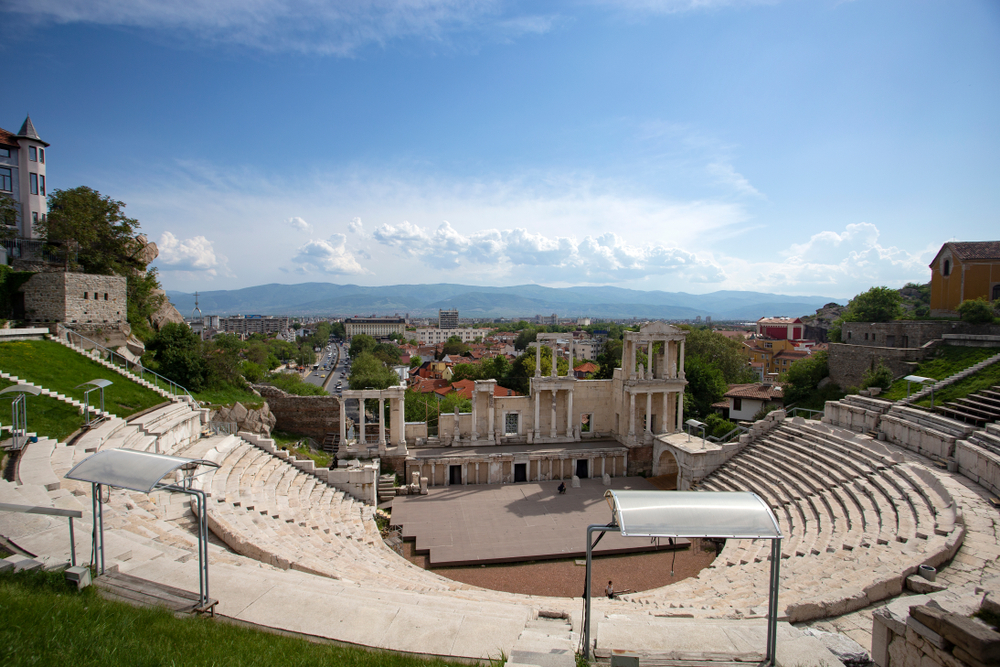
[(800, 147)]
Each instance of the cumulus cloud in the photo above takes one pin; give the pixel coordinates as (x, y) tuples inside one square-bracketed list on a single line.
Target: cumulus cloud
[(193, 254), (604, 258), (355, 226), (328, 256), (299, 224), (336, 27)]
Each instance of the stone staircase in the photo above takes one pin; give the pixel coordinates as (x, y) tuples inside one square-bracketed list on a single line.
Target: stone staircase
[(925, 392), (51, 394), (978, 409)]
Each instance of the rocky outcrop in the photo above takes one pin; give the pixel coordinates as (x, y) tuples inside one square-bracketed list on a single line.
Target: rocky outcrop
[(166, 313), (819, 324), (247, 419)]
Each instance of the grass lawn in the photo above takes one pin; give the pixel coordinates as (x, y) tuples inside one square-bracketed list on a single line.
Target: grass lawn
[(947, 361), (289, 441), (48, 623), (57, 368), (46, 415), (228, 396), (984, 379)]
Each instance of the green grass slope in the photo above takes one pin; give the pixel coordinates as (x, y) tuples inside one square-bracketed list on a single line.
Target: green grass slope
[(947, 361), (47, 416), (46, 622), (48, 364)]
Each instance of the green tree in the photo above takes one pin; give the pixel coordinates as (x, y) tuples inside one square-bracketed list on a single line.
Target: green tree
[(104, 235), (609, 359), (879, 304), (415, 361), (387, 353), (360, 344), (723, 353), (976, 311), (495, 369), (880, 376), (527, 335), (177, 356), (716, 425), (706, 385), (466, 372), (804, 376), (367, 372), (454, 346)]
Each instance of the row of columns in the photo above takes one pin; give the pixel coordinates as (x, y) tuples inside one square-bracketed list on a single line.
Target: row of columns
[(611, 469), (679, 414), (570, 425), (396, 406)]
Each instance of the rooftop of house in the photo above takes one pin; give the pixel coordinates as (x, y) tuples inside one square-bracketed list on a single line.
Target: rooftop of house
[(756, 390), (779, 320), (8, 139), (975, 249)]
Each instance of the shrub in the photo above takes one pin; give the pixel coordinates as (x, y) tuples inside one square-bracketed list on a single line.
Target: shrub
[(717, 425), (976, 311), (880, 376)]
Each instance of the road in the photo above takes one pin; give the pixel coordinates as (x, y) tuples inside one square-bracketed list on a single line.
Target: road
[(333, 367)]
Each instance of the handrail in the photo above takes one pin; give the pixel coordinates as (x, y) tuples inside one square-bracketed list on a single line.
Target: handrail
[(172, 386), (738, 430), (49, 511), (794, 412)]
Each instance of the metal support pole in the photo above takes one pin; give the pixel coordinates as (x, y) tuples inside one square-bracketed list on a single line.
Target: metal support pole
[(72, 544), (772, 608), (586, 585), (98, 518)]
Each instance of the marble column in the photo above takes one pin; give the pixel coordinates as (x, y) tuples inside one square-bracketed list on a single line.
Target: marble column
[(538, 414), (538, 359), (465, 474), (555, 366), (680, 366), (631, 417), (649, 412), (343, 422), (680, 411), (381, 422), (552, 430), (475, 425), (666, 413), (570, 423), (361, 410), (433, 475), (491, 402)]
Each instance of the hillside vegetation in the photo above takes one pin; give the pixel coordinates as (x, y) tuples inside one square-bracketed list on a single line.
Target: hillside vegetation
[(47, 416), (55, 367), (947, 361)]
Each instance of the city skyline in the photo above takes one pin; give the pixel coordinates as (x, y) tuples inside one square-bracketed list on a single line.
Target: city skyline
[(786, 147)]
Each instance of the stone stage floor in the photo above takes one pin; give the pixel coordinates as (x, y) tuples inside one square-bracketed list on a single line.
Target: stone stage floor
[(480, 524)]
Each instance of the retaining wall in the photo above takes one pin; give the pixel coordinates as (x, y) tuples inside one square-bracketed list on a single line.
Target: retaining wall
[(314, 416)]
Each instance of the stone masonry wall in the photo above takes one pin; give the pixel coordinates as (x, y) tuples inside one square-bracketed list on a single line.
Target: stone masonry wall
[(849, 362), (314, 416), (908, 333), (75, 298)]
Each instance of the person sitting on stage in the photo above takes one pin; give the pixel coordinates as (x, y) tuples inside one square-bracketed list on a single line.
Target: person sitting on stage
[(562, 487), (610, 591)]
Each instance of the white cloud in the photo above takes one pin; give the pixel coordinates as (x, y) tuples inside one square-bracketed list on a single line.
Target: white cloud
[(328, 256), (299, 224), (606, 258), (726, 175), (355, 226), (192, 255), (336, 27)]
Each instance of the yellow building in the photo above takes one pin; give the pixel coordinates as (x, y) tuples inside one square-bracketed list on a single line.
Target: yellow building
[(963, 271)]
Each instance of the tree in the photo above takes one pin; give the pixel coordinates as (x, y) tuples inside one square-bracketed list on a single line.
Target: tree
[(525, 337), (804, 375), (387, 353), (723, 353), (466, 372), (454, 346), (717, 425), (880, 376), (976, 311), (360, 344), (177, 355), (367, 372), (104, 235), (609, 359), (879, 304), (706, 385), (415, 361)]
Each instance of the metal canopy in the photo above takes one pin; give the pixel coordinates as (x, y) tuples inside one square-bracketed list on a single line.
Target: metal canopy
[(673, 514), (144, 471), (131, 469), (736, 515), (97, 383), (22, 389)]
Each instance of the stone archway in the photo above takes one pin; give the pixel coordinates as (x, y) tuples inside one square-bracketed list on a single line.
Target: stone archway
[(665, 471)]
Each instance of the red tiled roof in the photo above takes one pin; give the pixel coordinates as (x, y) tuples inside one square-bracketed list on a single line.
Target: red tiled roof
[(779, 320), (795, 354), (976, 249), (464, 388), (8, 139), (757, 391), (587, 367)]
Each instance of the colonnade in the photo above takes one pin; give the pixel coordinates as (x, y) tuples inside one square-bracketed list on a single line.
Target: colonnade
[(397, 429)]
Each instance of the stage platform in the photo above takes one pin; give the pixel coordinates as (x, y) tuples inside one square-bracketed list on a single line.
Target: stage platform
[(468, 449), (481, 524)]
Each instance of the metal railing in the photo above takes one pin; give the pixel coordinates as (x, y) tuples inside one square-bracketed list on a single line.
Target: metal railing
[(36, 250), (222, 428), (131, 367), (49, 511), (729, 436)]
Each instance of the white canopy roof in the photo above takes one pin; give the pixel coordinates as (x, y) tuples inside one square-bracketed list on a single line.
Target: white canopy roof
[(130, 469), (738, 515), (101, 383)]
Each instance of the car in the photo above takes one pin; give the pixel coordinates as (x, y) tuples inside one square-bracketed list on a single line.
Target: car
[(322, 375)]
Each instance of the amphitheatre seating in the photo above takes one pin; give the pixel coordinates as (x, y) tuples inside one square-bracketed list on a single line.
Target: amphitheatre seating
[(978, 409), (857, 520)]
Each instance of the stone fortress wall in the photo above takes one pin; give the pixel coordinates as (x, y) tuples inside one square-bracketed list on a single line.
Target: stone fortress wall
[(75, 298)]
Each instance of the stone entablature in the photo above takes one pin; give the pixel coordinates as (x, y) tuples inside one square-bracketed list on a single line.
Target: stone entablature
[(75, 298)]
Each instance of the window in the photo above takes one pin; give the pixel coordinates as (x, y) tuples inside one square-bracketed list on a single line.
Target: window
[(34, 216), (41, 184), (105, 296), (34, 184), (737, 404), (41, 155), (585, 421), (96, 297), (996, 292), (6, 182), (510, 423), (4, 152), (33, 154), (946, 268), (86, 295)]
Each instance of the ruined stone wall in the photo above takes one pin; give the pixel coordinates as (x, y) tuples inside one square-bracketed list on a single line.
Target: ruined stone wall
[(314, 416), (908, 333), (849, 362), (75, 298)]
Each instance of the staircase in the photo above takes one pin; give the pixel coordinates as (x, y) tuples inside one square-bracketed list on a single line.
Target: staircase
[(545, 642), (979, 408), (331, 443)]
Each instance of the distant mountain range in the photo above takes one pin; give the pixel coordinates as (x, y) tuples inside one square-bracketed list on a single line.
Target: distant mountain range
[(523, 301)]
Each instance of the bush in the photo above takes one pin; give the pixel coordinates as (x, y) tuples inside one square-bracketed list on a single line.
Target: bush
[(880, 376), (976, 311), (804, 375), (717, 425)]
